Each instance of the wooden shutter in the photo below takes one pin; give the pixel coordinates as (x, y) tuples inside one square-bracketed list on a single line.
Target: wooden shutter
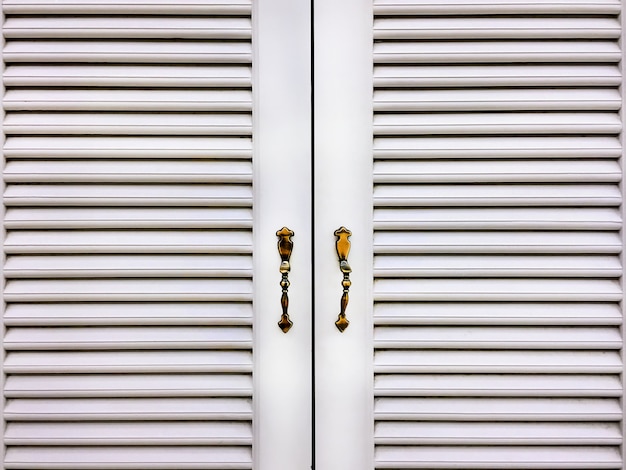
[(497, 234), (128, 234)]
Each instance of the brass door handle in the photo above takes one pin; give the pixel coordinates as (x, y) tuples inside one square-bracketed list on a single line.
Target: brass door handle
[(343, 248), (285, 245)]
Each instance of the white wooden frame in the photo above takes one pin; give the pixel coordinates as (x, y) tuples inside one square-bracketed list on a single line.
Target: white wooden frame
[(343, 196), (282, 142)]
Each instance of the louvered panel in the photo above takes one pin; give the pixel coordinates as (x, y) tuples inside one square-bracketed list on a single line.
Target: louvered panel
[(129, 179), (497, 250)]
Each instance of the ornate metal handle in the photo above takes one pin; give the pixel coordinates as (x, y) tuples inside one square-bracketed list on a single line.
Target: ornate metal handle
[(343, 248), (285, 245)]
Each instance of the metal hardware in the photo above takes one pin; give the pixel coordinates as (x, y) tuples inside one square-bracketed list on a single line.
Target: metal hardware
[(285, 245), (343, 248)]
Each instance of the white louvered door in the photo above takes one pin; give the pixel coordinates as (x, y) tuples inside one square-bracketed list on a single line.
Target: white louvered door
[(130, 209), (496, 313), (474, 150)]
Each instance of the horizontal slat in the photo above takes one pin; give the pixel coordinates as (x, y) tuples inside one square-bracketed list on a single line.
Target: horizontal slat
[(488, 123), (194, 100), (94, 266), (130, 75), (427, 28), (128, 362), (129, 433), (493, 434), (154, 7), (498, 147), (143, 385), (497, 195), (496, 314), (129, 290), (476, 385), (111, 337), (152, 147), (401, 100), (128, 124), (504, 171), (137, 218), (123, 409), (116, 171), (92, 242), (485, 75), (446, 52), (490, 266), (123, 27), (128, 314), (549, 458), (496, 242), (491, 290), (456, 7), (502, 337), (498, 409), (497, 361), (485, 218), (129, 458), (128, 52)]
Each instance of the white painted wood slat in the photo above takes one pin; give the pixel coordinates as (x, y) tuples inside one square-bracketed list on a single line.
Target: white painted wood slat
[(135, 27), (129, 409), (127, 75), (149, 7), (497, 246), (128, 320)]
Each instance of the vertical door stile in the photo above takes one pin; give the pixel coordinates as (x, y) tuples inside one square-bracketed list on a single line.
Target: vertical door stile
[(282, 122), (343, 196)]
